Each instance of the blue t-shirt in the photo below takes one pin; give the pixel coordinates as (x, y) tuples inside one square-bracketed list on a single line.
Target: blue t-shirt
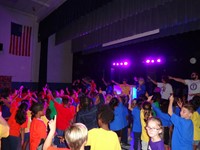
[(136, 120), (141, 90), (165, 118), (156, 145), (119, 116), (182, 137), (198, 110), (88, 117)]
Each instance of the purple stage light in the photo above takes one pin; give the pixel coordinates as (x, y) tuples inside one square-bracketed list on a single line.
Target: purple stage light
[(121, 63), (125, 63), (114, 64), (158, 60), (117, 64), (152, 61), (147, 61)]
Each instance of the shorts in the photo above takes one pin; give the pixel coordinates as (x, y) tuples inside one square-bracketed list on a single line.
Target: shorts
[(196, 142)]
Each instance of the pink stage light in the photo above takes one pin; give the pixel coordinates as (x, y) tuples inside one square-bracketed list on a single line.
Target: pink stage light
[(114, 64), (158, 60), (121, 63), (152, 61), (117, 64), (147, 61), (125, 63)]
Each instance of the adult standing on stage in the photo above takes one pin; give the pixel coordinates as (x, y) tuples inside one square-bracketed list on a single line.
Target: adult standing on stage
[(165, 86), (193, 84)]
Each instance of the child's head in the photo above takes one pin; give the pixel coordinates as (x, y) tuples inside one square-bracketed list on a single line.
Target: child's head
[(37, 110), (154, 127), (20, 116), (186, 111), (146, 106), (76, 136), (114, 103), (141, 81), (105, 115)]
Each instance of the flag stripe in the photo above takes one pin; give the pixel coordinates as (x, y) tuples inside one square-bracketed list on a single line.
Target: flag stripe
[(20, 40)]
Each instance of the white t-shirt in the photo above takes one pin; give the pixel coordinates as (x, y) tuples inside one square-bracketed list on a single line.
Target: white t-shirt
[(193, 87), (166, 90)]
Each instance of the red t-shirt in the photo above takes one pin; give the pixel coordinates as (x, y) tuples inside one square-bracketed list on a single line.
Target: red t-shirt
[(38, 131), (64, 116), (14, 126)]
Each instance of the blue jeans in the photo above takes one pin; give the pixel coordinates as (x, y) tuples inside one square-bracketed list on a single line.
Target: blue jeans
[(10, 143), (57, 140), (137, 140), (124, 138)]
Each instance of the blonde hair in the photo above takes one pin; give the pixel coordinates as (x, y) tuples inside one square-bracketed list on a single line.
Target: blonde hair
[(76, 135)]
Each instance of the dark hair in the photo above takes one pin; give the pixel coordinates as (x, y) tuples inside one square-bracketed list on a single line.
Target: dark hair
[(164, 106), (156, 97), (85, 103), (147, 110), (35, 108), (113, 103), (21, 113), (65, 99), (195, 102), (165, 78), (106, 114)]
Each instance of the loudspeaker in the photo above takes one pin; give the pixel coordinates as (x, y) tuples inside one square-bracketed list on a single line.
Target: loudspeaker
[(1, 46)]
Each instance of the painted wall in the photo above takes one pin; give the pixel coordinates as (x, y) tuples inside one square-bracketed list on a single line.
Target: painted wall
[(60, 61), (22, 69)]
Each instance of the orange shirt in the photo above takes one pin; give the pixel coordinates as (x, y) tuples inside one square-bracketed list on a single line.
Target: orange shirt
[(55, 148), (38, 131), (14, 126)]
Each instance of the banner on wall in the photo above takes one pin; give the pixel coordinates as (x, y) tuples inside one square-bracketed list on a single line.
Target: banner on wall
[(5, 82), (20, 40)]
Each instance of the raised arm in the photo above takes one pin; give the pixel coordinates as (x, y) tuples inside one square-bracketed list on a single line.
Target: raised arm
[(48, 141), (170, 107), (153, 81), (115, 82), (177, 79), (106, 84)]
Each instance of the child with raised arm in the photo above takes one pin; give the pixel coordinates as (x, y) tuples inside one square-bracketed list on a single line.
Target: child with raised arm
[(182, 137), (75, 135), (154, 130)]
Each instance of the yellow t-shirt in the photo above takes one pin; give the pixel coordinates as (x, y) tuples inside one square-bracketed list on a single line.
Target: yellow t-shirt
[(100, 139), (27, 129), (196, 122), (144, 136), (4, 131), (125, 89)]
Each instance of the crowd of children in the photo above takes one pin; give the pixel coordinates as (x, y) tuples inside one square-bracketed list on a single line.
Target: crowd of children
[(87, 118)]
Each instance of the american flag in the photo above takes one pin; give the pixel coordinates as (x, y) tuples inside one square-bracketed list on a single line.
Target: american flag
[(20, 40)]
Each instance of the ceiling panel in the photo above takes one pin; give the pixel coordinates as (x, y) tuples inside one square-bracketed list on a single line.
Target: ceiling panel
[(38, 8)]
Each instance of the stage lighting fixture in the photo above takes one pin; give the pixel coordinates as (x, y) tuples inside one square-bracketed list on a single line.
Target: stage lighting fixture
[(121, 63), (158, 60), (117, 64), (152, 61), (114, 64), (125, 63), (147, 61)]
